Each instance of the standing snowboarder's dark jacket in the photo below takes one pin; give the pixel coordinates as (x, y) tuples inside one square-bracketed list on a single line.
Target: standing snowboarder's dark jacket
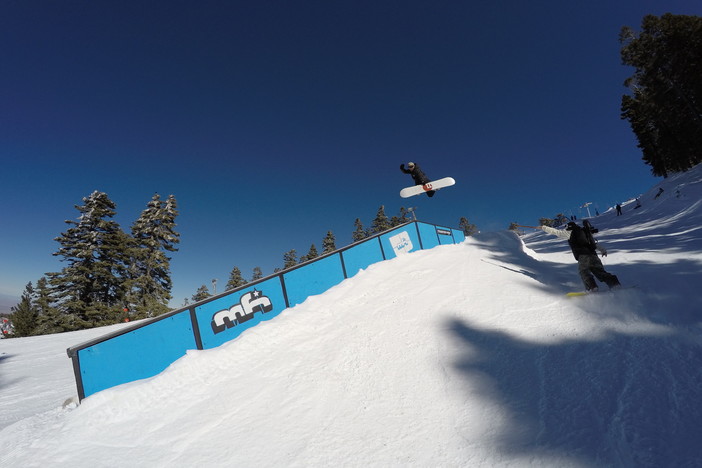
[(413, 169), (581, 241)]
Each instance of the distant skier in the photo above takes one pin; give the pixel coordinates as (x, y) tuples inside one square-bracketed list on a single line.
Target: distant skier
[(417, 175), (619, 209), (585, 249)]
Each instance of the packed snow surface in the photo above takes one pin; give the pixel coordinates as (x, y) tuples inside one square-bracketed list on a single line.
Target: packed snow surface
[(463, 355)]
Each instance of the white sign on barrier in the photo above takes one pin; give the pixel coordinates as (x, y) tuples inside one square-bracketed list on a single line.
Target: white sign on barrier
[(401, 243)]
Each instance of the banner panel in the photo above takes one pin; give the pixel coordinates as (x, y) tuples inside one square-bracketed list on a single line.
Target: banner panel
[(429, 236), (138, 354), (361, 256), (225, 318), (445, 235), (313, 278)]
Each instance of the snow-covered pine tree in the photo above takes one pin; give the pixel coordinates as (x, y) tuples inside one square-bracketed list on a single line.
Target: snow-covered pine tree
[(329, 243), (236, 279), (90, 290), (24, 315), (153, 234), (381, 222)]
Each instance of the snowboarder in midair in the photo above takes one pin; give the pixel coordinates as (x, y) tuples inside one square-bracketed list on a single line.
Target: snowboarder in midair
[(585, 249), (417, 175)]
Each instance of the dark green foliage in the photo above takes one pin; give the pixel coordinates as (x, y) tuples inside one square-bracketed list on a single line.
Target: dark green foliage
[(236, 279), (153, 234), (401, 218), (664, 108), (110, 275), (311, 254), (24, 315), (289, 259), (359, 232), (50, 319), (467, 228), (329, 243), (90, 290), (201, 294), (257, 274), (42, 297), (381, 222)]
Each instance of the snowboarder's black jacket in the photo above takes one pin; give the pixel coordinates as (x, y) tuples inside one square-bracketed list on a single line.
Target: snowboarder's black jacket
[(416, 173), (581, 241)]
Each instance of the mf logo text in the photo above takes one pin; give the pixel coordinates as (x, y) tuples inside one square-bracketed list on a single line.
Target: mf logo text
[(248, 305)]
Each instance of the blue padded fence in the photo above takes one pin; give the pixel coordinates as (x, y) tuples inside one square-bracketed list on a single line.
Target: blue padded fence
[(147, 348)]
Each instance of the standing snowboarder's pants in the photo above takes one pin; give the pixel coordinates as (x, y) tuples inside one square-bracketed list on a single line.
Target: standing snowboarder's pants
[(589, 265)]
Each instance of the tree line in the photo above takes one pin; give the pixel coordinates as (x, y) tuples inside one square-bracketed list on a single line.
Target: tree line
[(112, 276), (380, 223)]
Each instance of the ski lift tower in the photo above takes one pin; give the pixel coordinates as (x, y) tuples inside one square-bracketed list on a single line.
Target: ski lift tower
[(587, 207), (412, 210)]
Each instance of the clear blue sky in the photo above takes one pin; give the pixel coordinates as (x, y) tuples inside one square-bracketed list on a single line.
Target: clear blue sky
[(273, 122)]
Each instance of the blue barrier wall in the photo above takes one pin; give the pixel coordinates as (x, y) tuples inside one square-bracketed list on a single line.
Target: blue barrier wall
[(149, 347)]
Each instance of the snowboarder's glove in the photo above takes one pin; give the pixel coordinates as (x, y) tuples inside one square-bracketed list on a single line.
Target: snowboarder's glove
[(402, 167)]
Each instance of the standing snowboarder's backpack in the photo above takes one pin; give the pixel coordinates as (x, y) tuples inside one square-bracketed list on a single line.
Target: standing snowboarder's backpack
[(581, 241), (589, 230)]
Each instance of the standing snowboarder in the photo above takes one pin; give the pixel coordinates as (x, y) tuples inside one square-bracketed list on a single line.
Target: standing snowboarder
[(417, 175), (585, 249)]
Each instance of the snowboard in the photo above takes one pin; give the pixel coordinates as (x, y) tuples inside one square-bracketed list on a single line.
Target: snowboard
[(428, 187), (588, 293)]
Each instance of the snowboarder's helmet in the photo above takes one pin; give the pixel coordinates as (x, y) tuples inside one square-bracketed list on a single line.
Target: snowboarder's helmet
[(410, 165), (571, 226)]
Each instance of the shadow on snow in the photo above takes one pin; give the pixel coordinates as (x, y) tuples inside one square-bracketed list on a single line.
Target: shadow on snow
[(619, 401)]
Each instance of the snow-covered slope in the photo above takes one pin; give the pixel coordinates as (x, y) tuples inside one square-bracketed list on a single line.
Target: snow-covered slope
[(464, 355)]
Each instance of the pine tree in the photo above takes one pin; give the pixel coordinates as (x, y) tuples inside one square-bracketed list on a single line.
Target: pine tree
[(257, 274), (48, 316), (329, 243), (201, 294), (381, 222), (236, 279), (401, 218), (90, 291), (310, 255), (359, 233), (24, 315), (42, 297), (468, 228), (665, 107), (153, 234), (289, 259)]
